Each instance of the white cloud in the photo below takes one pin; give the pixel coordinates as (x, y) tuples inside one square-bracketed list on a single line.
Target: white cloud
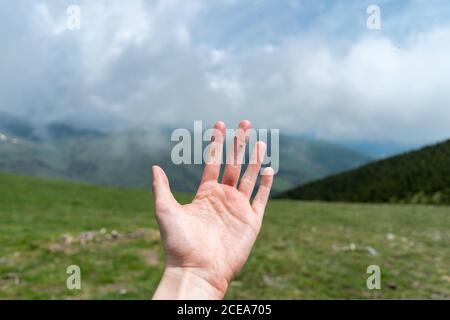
[(172, 62)]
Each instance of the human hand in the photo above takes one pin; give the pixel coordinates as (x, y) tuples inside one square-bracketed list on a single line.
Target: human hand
[(208, 241)]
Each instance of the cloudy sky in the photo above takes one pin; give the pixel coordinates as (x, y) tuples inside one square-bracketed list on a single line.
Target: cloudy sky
[(309, 67)]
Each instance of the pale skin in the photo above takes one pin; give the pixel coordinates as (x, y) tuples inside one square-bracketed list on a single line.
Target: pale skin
[(207, 241)]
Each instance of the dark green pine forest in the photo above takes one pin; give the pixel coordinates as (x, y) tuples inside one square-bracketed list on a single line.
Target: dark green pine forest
[(421, 176)]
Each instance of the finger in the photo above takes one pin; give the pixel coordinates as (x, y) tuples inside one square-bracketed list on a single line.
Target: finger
[(248, 180), (236, 155), (214, 154), (161, 190), (262, 196)]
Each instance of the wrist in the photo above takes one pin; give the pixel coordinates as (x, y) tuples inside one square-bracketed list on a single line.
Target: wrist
[(184, 283)]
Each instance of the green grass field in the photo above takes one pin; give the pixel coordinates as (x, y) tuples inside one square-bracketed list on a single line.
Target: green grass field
[(305, 250)]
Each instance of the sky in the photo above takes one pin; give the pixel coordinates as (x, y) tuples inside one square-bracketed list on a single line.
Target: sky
[(305, 67)]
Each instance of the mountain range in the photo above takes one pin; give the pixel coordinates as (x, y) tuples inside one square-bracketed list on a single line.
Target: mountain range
[(123, 158)]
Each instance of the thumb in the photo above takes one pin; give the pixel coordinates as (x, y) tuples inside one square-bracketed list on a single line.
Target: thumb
[(161, 190)]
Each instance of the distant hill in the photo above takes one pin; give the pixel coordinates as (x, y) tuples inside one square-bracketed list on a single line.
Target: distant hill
[(380, 150), (124, 158), (421, 176)]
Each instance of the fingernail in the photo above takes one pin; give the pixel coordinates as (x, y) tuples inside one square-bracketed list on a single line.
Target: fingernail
[(268, 171)]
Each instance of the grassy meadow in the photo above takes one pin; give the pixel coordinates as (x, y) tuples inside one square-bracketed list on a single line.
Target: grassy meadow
[(306, 250)]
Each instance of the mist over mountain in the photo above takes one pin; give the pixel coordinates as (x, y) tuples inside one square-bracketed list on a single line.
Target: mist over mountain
[(124, 158), (380, 149)]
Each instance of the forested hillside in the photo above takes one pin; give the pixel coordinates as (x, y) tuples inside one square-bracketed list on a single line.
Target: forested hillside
[(421, 176)]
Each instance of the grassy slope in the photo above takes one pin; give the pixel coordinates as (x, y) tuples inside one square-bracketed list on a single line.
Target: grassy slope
[(302, 252)]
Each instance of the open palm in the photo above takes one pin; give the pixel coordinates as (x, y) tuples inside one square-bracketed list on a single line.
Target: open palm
[(212, 237)]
